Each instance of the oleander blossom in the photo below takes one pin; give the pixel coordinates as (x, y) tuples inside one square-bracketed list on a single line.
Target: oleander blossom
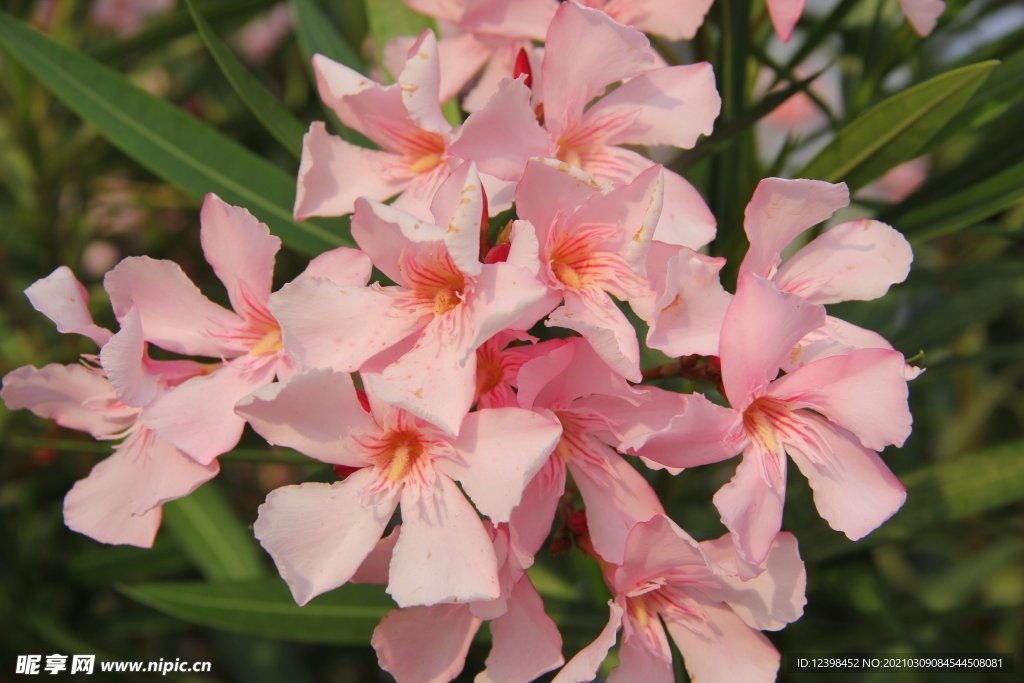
[(319, 534), (120, 501), (922, 15), (198, 415)]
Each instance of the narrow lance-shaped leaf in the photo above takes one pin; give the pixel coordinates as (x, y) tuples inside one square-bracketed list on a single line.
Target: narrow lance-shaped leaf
[(896, 129), (265, 608), (212, 536), (317, 37), (274, 116), (166, 140)]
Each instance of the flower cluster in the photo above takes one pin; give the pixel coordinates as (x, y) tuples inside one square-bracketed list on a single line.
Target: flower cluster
[(489, 386)]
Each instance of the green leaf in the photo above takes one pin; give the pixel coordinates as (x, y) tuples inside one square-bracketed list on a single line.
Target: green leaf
[(166, 140), (317, 36), (896, 129), (937, 495), (965, 208), (212, 536), (1003, 89), (265, 608), (274, 116)]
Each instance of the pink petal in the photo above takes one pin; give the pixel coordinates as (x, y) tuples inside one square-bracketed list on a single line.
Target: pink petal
[(585, 52), (771, 599), (691, 302), (124, 362), (319, 534), (583, 667), (779, 211), (503, 135), (315, 412), (71, 395), (526, 641), (617, 497), (446, 10), (387, 234), (174, 313), (159, 472), (751, 507), (63, 299), (602, 324), (241, 250), (673, 105), (462, 56), (434, 380), (731, 652), (425, 644), (459, 205), (527, 19), (501, 450), (835, 338), (334, 173), (566, 370), (854, 491), (335, 82), (312, 314), (444, 554), (96, 506), (637, 662), (415, 199), (505, 297), (655, 548), (500, 67), (855, 261), (923, 14), (530, 522), (710, 433), (343, 266), (632, 210), (785, 14), (686, 219), (374, 569), (550, 187), (671, 19), (198, 416), (420, 82), (863, 391), (762, 326)]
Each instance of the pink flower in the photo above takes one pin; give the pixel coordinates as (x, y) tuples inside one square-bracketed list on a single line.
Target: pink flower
[(671, 19), (198, 415), (831, 416), (595, 406), (478, 34), (853, 261), (668, 581), (404, 119), (119, 502), (319, 534), (429, 643), (592, 247), (586, 52), (921, 14), (445, 306)]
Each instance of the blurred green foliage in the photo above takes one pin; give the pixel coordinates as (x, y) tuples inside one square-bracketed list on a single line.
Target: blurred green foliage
[(945, 575)]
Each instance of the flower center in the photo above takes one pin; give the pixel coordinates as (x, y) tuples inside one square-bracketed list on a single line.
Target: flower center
[(763, 419), (269, 344), (402, 451), (437, 284), (426, 152), (569, 261)]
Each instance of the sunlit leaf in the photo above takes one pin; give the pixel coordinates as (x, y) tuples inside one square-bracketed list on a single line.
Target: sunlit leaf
[(274, 116), (896, 129)]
